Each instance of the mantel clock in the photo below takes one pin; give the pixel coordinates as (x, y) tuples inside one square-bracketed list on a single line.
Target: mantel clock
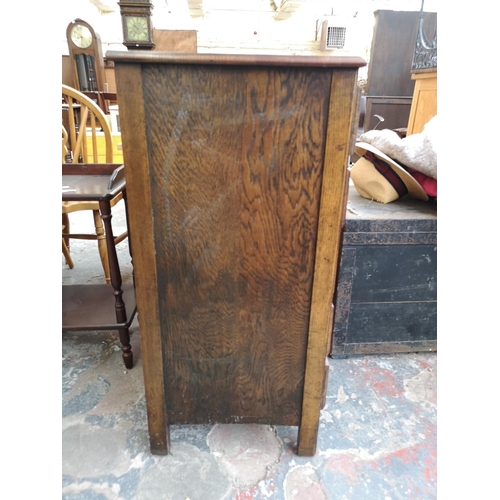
[(136, 24)]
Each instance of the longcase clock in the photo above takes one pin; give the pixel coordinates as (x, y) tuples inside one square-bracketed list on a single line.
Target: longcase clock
[(85, 52), (137, 24)]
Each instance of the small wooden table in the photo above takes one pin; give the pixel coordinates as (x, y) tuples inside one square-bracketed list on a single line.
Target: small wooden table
[(99, 307)]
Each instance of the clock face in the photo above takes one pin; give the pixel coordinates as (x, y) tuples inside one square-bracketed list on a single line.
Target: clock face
[(137, 29), (81, 36)]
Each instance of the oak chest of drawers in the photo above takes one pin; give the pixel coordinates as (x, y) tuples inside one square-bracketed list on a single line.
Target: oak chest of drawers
[(236, 175)]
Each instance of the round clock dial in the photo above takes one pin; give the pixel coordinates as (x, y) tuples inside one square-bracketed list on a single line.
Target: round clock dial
[(81, 36), (137, 28)]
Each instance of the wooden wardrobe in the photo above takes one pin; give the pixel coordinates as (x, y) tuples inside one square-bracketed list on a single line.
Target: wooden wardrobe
[(236, 171)]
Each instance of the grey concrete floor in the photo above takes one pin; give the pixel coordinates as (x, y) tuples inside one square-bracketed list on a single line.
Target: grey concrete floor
[(377, 436)]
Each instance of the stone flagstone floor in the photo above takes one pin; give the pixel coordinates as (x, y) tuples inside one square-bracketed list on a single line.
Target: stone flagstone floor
[(377, 436)]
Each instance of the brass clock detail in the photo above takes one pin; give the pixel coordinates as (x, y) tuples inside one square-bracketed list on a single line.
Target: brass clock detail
[(136, 24)]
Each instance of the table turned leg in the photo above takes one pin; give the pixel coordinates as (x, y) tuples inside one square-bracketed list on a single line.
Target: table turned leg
[(102, 244), (128, 357), (116, 283)]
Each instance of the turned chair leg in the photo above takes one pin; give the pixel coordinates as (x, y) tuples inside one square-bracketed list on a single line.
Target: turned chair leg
[(65, 224), (66, 254), (101, 243), (65, 251)]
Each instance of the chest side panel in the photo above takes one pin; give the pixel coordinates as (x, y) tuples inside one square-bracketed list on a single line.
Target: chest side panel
[(236, 158)]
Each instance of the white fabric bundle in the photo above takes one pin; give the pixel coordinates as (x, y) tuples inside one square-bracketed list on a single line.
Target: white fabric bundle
[(417, 151)]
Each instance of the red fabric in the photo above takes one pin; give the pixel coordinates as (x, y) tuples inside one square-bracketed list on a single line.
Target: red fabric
[(389, 174), (429, 184)]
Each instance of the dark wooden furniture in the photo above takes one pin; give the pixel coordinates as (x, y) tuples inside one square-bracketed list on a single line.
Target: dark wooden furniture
[(236, 175), (99, 307), (394, 111), (386, 295), (389, 88)]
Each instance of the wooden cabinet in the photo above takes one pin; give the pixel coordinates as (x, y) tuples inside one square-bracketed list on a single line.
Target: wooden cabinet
[(236, 180), (424, 104)]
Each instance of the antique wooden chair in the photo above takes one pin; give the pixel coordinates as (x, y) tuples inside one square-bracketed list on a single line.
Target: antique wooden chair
[(85, 136)]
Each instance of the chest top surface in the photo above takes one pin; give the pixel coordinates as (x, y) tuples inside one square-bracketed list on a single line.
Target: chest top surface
[(235, 59)]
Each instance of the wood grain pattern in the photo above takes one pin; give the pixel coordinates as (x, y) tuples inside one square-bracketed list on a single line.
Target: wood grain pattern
[(236, 178), (341, 112), (129, 86), (228, 159)]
